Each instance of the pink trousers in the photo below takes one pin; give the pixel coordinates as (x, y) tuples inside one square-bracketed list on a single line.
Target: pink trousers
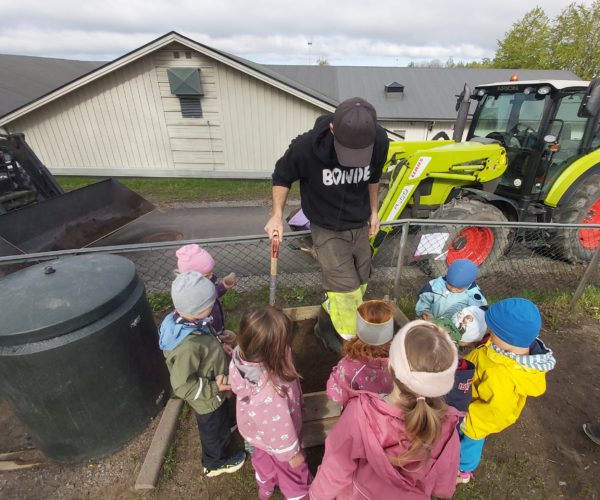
[(270, 472)]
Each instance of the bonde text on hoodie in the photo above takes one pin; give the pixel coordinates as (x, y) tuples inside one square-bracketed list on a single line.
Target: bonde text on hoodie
[(337, 176)]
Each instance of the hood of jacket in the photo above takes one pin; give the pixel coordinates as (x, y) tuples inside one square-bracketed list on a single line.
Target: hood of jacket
[(247, 378), (384, 434), (322, 140), (173, 333)]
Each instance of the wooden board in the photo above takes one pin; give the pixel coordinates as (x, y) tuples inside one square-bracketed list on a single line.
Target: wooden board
[(320, 416)]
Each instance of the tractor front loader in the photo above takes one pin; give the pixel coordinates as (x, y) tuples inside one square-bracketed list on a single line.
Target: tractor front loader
[(36, 215), (532, 154)]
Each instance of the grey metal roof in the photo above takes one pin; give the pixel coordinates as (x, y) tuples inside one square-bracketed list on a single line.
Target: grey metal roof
[(25, 78), (429, 93)]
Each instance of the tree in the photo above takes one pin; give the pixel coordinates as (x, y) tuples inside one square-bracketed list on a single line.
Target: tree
[(527, 43), (576, 40), (322, 61)]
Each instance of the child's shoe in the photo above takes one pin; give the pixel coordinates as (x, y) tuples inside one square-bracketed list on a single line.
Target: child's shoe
[(463, 477), (234, 463), (593, 432)]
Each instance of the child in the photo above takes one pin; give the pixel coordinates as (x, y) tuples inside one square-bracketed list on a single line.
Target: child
[(444, 296), (509, 367), (364, 366), (269, 402), (192, 257), (198, 368), (403, 444)]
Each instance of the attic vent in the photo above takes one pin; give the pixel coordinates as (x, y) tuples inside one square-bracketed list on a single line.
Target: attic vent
[(190, 107), (394, 87), (185, 81)]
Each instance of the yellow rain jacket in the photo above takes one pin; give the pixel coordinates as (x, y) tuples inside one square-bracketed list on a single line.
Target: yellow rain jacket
[(501, 383)]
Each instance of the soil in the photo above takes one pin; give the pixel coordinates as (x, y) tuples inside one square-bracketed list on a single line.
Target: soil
[(544, 455)]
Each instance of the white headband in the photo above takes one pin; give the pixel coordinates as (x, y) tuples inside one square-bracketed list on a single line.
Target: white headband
[(429, 384)]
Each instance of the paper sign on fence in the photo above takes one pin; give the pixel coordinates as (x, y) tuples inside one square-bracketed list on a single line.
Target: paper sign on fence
[(431, 244)]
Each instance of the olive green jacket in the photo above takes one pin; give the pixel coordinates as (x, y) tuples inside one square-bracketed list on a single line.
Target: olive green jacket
[(193, 366)]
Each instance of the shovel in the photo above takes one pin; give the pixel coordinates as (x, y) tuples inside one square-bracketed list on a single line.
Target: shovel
[(274, 257)]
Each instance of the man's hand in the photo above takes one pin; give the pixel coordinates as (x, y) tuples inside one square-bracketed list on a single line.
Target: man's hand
[(222, 383), (275, 226), (426, 316), (297, 460), (373, 224)]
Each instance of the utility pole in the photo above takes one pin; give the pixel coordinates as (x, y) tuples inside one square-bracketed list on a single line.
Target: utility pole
[(309, 43)]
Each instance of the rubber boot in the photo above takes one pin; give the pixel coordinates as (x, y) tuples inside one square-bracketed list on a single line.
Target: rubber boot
[(326, 333)]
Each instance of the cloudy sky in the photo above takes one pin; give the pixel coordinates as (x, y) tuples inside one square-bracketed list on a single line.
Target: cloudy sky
[(345, 32)]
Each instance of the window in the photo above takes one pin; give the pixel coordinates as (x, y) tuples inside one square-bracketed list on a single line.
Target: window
[(190, 107)]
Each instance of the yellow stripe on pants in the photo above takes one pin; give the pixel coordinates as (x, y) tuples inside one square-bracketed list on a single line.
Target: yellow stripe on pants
[(342, 307)]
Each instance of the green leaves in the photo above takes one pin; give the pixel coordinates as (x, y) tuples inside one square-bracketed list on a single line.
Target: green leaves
[(570, 41)]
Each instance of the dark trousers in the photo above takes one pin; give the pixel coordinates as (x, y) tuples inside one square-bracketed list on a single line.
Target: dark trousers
[(215, 436)]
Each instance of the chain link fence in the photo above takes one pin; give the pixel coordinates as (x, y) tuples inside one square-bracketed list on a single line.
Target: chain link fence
[(514, 257)]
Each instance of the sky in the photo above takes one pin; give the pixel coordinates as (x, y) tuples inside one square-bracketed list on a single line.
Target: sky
[(343, 32)]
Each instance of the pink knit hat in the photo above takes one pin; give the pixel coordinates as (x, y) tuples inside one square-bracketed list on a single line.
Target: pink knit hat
[(193, 257), (428, 384)]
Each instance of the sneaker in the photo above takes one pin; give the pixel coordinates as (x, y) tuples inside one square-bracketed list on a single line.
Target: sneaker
[(593, 432), (234, 463), (463, 477)]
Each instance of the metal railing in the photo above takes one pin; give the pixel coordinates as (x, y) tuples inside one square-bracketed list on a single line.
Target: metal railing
[(531, 256)]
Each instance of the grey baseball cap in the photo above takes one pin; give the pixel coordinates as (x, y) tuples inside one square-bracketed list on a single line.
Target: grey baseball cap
[(354, 123), (192, 294)]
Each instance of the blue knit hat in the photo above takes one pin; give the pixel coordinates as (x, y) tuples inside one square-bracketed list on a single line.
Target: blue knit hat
[(515, 321), (461, 273)]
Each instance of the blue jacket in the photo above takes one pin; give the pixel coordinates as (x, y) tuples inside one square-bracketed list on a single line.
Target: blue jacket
[(441, 302)]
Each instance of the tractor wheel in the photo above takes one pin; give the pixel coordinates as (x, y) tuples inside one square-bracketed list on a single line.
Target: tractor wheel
[(582, 207), (483, 245)]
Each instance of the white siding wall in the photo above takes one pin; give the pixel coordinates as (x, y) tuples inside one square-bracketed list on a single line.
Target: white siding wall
[(129, 123), (114, 123), (419, 131)]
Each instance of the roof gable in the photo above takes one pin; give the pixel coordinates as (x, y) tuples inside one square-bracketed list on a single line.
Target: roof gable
[(257, 71)]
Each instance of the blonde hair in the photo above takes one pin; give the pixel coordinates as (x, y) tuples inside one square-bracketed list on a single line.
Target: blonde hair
[(426, 351)]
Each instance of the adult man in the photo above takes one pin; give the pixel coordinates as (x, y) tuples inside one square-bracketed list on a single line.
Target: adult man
[(338, 163)]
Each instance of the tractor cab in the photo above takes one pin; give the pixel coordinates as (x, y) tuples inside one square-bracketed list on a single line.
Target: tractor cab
[(543, 129)]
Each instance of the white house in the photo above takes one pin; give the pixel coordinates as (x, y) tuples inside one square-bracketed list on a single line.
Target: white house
[(177, 108)]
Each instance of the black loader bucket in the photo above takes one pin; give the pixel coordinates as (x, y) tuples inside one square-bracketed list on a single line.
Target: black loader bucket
[(72, 220)]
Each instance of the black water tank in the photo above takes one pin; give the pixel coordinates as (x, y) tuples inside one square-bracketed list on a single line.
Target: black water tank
[(79, 356)]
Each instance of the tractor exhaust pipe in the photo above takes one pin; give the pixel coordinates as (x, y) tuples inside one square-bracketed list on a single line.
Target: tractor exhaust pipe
[(463, 103)]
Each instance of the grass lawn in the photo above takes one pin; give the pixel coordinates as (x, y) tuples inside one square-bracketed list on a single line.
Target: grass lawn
[(193, 190)]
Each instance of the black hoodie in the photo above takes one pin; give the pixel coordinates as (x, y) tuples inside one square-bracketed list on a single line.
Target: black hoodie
[(332, 196)]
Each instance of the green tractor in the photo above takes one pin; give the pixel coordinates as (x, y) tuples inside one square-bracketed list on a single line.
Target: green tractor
[(531, 154)]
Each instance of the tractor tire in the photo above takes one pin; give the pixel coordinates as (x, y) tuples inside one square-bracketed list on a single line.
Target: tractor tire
[(482, 245), (582, 207)]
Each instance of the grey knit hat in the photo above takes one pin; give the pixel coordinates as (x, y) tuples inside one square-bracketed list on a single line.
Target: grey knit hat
[(192, 293)]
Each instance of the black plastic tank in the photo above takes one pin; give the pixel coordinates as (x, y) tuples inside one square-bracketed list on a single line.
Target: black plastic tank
[(79, 356)]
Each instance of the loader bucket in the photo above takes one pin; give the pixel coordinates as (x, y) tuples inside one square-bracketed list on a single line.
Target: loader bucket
[(72, 220)]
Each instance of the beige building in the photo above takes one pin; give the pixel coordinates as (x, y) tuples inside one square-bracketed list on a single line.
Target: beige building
[(129, 117), (177, 108)]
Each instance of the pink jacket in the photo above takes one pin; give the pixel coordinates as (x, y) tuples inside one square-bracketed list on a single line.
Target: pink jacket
[(351, 375), (268, 418), (355, 465)]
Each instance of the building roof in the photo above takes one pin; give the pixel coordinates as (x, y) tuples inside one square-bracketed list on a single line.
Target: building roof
[(255, 70), (25, 78), (428, 94), (27, 83)]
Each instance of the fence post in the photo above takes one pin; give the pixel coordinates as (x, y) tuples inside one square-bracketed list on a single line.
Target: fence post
[(586, 277), (399, 264)]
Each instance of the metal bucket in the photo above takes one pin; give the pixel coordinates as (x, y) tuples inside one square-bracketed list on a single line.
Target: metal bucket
[(73, 220)]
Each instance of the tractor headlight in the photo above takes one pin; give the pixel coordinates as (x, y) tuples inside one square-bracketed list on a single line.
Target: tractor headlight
[(481, 92), (517, 182), (544, 90)]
